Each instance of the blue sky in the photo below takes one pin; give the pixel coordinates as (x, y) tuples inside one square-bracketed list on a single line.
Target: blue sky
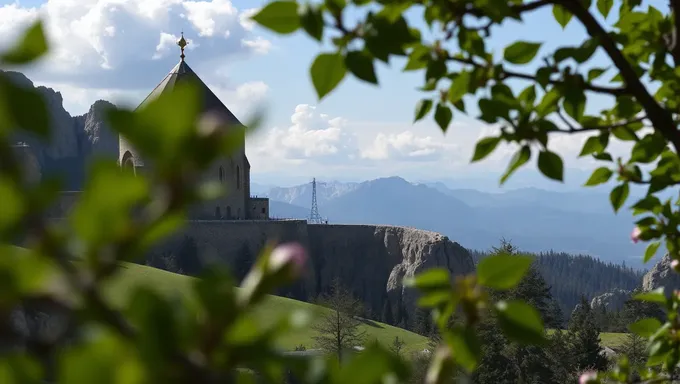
[(119, 49)]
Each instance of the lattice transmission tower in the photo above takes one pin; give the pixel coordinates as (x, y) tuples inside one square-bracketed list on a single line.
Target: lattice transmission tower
[(314, 217)]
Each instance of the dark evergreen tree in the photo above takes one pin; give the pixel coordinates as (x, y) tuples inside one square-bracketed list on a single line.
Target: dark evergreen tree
[(188, 259), (635, 349), (423, 322), (387, 317), (495, 366), (584, 335)]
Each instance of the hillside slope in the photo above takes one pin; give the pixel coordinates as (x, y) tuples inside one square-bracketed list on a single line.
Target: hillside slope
[(171, 284)]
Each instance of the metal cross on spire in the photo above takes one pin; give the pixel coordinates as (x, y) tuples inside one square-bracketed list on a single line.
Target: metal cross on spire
[(182, 43)]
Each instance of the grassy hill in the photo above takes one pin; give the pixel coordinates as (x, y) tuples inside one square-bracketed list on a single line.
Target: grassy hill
[(133, 275)]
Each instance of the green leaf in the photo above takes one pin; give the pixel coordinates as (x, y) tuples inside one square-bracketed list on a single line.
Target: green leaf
[(422, 108), (654, 296), (651, 250), (431, 279), (519, 159), (562, 16), (160, 127), (459, 87), (604, 6), (520, 322), (594, 144), (311, 20), (549, 102), (594, 73), (645, 327), (618, 196), (599, 176), (327, 71), (14, 203), (279, 16), (361, 65), (443, 116), (18, 367), (624, 134), (503, 271), (466, 346), (521, 52), (528, 96), (101, 216), (484, 148), (575, 104), (30, 47), (375, 363), (550, 164)]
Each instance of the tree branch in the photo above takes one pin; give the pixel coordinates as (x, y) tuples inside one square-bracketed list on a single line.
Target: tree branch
[(614, 91), (674, 47), (661, 119), (573, 129), (517, 9)]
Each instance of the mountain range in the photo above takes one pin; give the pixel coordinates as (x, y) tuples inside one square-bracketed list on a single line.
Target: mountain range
[(578, 222)]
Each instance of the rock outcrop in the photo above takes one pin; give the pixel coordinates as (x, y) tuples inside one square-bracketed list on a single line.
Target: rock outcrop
[(373, 260), (611, 301), (73, 141), (97, 137), (661, 275)]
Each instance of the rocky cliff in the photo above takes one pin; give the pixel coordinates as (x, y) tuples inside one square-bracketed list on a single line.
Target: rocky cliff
[(73, 140), (661, 275), (370, 260), (611, 301)]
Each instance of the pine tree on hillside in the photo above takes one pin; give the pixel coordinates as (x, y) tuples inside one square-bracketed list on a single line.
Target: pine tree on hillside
[(423, 322), (635, 349), (584, 335), (339, 330)]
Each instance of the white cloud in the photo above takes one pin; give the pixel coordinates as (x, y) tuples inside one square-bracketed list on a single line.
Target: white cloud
[(406, 146), (258, 45), (119, 36), (242, 99), (312, 136)]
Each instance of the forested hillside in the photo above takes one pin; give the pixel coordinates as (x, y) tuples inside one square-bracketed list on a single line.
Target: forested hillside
[(571, 276)]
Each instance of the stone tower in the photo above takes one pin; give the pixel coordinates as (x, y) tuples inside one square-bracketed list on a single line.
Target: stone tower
[(29, 163), (234, 170)]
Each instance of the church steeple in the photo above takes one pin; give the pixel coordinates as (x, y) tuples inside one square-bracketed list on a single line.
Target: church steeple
[(182, 43)]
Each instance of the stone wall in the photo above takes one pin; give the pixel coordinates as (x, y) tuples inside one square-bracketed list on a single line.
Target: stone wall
[(370, 260)]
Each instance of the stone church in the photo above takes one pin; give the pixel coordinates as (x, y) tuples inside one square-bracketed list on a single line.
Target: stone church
[(234, 170)]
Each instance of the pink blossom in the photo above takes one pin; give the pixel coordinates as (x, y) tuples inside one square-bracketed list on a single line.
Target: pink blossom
[(635, 235), (587, 377), (293, 254), (675, 265)]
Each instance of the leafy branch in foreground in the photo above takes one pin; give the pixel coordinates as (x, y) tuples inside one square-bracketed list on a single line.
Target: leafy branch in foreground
[(642, 50)]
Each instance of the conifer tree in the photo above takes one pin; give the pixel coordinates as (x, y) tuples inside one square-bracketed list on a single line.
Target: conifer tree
[(339, 329), (584, 335)]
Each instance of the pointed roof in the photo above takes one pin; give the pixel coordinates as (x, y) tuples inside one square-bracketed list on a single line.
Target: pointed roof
[(182, 73)]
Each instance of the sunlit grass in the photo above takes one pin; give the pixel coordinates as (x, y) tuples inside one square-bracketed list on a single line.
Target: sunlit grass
[(132, 275)]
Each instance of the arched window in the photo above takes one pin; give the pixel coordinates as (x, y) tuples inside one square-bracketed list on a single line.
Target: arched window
[(221, 172), (238, 177), (127, 162), (228, 213)]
